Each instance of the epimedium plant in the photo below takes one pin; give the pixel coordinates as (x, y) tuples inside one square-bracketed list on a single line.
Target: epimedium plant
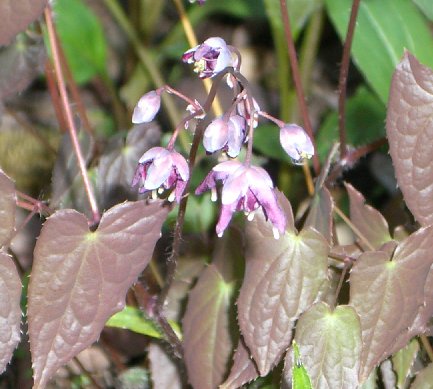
[(270, 303)]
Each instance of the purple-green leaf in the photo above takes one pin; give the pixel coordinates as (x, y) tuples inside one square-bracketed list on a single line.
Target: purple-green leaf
[(80, 278), (243, 370), (387, 294), (164, 372), (17, 15), (330, 344), (10, 309), (367, 220), (282, 279), (7, 208), (207, 342), (409, 127)]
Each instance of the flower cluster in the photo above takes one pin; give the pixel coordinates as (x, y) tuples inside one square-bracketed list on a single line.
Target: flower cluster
[(244, 187)]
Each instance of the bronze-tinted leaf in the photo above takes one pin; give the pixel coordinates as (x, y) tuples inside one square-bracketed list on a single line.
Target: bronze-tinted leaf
[(320, 214), (17, 15), (10, 309), (367, 220), (424, 378), (207, 342), (164, 372), (409, 127), (80, 278), (282, 279), (330, 344), (118, 164), (387, 294), (243, 370), (20, 63), (7, 208)]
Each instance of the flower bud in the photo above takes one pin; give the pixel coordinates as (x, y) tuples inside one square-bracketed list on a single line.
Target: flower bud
[(296, 143), (147, 108)]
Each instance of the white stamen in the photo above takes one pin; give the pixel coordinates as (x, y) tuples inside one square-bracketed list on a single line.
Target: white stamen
[(160, 190), (250, 216), (154, 194), (276, 233), (171, 197), (220, 235), (214, 195)]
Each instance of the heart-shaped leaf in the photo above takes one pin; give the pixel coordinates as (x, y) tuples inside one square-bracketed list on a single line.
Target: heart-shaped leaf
[(7, 208), (387, 294), (80, 278), (367, 220), (409, 127), (330, 344), (282, 279), (10, 309), (17, 15)]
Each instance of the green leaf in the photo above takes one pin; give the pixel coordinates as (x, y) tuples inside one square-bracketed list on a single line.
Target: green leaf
[(133, 319), (403, 360), (300, 377), (426, 7), (330, 343), (379, 41), (267, 141), (83, 39), (365, 117)]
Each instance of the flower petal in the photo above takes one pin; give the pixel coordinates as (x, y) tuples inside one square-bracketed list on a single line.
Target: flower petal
[(179, 162), (146, 108), (216, 135), (154, 152), (158, 172), (225, 217)]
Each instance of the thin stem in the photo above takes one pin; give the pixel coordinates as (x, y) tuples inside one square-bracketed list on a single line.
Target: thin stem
[(145, 58), (358, 233), (278, 122), (427, 346), (192, 41), (297, 81), (70, 121), (308, 178), (342, 82)]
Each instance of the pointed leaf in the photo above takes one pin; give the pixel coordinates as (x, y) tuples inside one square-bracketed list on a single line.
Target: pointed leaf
[(243, 370), (424, 378), (402, 362), (7, 208), (408, 124), (17, 15), (207, 342), (320, 215), (164, 372), (330, 345), (387, 294), (10, 309), (300, 377), (367, 220), (80, 278), (282, 279)]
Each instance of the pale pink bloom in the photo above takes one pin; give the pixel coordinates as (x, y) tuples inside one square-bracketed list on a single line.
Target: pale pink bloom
[(245, 111), (160, 169), (245, 188), (296, 142), (147, 107), (209, 58)]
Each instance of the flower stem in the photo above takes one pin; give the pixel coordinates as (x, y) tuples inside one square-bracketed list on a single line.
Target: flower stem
[(69, 118), (297, 81), (342, 82)]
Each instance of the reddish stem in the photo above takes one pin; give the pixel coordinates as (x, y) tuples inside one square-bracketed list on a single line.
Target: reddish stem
[(297, 81), (342, 82)]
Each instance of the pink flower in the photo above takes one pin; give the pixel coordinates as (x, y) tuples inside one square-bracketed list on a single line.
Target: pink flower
[(160, 169), (296, 142), (147, 107), (244, 189), (227, 135), (245, 111), (209, 58)]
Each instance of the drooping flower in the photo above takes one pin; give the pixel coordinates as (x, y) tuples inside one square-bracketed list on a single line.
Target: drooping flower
[(227, 135), (147, 107), (209, 58), (160, 169), (245, 188), (296, 142)]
